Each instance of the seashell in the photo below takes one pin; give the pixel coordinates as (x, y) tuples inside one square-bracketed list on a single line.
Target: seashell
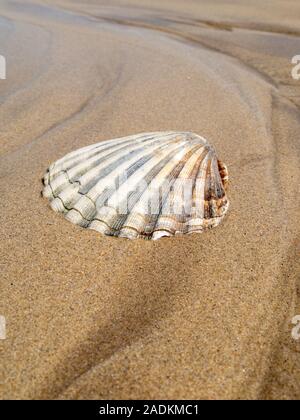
[(144, 186)]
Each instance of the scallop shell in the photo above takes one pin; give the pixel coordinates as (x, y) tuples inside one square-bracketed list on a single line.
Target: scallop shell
[(144, 186)]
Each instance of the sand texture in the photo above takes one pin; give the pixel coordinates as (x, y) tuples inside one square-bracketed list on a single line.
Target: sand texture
[(201, 316)]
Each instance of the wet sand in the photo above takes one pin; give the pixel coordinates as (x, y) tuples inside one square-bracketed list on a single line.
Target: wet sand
[(196, 317)]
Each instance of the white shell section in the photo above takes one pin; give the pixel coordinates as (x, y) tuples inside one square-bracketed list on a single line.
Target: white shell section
[(144, 186)]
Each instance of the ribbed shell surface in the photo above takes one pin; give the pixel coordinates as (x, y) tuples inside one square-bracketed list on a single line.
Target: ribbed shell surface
[(144, 186)]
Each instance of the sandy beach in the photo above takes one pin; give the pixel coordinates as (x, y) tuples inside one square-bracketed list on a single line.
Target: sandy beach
[(202, 316)]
